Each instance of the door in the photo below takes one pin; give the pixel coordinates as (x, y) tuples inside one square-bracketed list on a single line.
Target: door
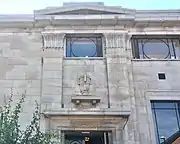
[(94, 137)]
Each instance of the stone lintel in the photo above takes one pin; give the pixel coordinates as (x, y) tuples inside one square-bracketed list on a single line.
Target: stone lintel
[(89, 123), (91, 112)]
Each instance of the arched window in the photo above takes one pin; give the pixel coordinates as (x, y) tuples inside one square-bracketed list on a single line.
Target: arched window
[(84, 45)]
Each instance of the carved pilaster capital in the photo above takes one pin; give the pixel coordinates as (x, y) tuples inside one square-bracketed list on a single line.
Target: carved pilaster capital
[(114, 40), (128, 38), (53, 40)]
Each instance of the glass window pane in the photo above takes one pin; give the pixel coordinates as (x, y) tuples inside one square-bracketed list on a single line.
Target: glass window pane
[(152, 104), (68, 48), (84, 47), (140, 50), (155, 127), (177, 48), (165, 105), (99, 47), (166, 122), (156, 49)]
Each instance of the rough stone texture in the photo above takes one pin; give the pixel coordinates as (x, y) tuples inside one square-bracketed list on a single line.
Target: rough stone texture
[(117, 70), (51, 79), (121, 83), (21, 70), (32, 59), (149, 87), (51, 83), (52, 71), (95, 69)]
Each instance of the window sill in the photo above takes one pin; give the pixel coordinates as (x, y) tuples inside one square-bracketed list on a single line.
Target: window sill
[(155, 60), (84, 58)]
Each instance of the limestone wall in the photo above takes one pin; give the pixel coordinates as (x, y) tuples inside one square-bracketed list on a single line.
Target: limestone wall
[(149, 87), (20, 69), (95, 69), (120, 84), (118, 67), (52, 80)]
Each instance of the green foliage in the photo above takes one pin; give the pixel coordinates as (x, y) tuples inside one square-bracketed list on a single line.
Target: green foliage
[(10, 132)]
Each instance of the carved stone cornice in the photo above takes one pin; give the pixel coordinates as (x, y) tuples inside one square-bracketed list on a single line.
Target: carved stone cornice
[(53, 40)]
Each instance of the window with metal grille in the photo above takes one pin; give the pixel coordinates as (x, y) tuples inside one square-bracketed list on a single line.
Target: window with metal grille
[(156, 47), (84, 45)]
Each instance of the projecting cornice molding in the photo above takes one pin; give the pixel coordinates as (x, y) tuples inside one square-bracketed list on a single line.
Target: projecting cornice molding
[(84, 9), (91, 15)]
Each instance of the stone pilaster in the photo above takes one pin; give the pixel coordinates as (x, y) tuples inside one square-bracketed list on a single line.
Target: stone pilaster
[(52, 67), (117, 70)]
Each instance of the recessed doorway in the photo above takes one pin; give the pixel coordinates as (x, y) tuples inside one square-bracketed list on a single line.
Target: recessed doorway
[(92, 137)]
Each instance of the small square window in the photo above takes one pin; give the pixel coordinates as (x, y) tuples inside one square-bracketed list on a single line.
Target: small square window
[(161, 76)]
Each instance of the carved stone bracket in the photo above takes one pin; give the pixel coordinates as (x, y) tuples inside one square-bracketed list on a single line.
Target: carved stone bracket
[(53, 40), (88, 99)]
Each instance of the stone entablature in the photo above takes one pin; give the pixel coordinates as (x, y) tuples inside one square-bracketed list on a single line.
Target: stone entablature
[(102, 15)]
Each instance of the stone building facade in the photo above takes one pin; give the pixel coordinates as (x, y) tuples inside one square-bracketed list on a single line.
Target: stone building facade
[(104, 73)]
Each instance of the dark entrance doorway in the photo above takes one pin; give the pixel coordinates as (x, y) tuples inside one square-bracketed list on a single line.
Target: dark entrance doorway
[(93, 137)]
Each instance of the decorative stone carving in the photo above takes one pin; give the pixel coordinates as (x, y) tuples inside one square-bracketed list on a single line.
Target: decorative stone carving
[(84, 84), (115, 44), (114, 40), (83, 94), (53, 40)]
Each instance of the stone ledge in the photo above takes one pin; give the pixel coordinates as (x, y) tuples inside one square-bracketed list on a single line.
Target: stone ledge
[(146, 60), (84, 58), (90, 112), (90, 99)]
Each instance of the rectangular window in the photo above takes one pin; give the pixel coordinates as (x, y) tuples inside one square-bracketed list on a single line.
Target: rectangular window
[(156, 47), (84, 45), (166, 120)]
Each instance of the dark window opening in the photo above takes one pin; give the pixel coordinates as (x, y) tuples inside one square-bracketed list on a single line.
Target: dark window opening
[(92, 137), (161, 76), (166, 117), (81, 45), (156, 47)]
